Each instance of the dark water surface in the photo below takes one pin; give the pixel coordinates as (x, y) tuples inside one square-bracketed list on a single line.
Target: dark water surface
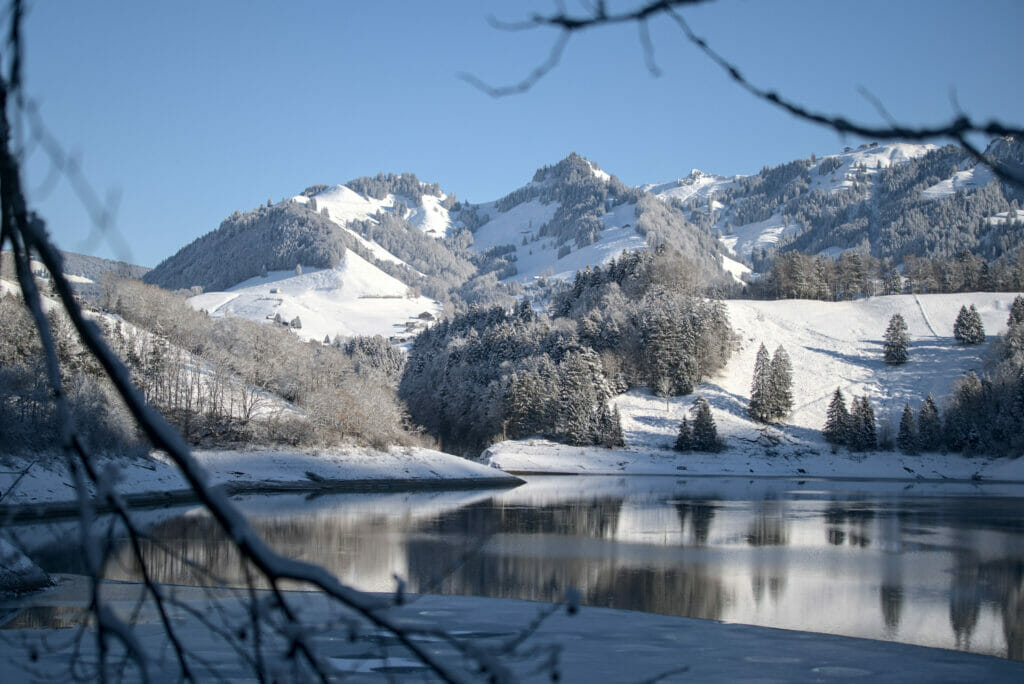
[(930, 564)]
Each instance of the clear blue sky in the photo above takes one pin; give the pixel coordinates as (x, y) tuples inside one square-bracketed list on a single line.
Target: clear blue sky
[(190, 110)]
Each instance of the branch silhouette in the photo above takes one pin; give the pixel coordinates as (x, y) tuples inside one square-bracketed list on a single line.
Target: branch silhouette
[(25, 233), (957, 129)]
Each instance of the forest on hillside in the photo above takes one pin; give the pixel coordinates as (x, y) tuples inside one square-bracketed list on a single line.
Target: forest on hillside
[(492, 373)]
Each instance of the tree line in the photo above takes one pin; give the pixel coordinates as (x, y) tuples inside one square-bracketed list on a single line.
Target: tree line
[(855, 274), (493, 373)]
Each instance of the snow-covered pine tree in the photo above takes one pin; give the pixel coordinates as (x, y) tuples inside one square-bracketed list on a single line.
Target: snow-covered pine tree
[(965, 417), (684, 440), (760, 388), (577, 419), (968, 328), (975, 328), (865, 433), (929, 426), (1016, 316), (893, 284), (781, 401), (705, 433), (896, 340), (837, 420), (960, 326), (906, 440), (609, 428)]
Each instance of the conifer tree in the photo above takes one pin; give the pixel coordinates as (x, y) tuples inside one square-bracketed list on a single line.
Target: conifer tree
[(896, 340), (893, 284), (906, 440), (837, 420), (929, 426), (609, 432), (864, 435), (705, 433), (781, 398), (975, 330), (968, 328), (960, 326), (684, 440), (1016, 316), (760, 388)]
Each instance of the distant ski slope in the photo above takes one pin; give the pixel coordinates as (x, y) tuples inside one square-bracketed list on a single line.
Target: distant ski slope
[(355, 298)]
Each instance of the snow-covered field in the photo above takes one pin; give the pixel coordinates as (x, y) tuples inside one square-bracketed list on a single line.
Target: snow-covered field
[(354, 298), (831, 345)]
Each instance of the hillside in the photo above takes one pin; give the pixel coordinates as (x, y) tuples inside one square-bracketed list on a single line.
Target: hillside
[(890, 200), (573, 215), (831, 344)]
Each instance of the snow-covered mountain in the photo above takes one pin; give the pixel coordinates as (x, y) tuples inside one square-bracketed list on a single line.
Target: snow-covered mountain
[(891, 200), (397, 235)]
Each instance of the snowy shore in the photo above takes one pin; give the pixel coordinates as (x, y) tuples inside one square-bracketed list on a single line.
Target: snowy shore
[(542, 456), (43, 485)]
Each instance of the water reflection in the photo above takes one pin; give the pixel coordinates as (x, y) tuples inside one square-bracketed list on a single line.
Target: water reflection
[(938, 565)]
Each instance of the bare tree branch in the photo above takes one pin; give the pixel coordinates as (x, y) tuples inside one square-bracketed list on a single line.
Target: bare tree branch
[(957, 129), (27, 236)]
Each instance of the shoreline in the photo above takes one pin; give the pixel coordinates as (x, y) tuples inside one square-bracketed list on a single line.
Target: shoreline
[(537, 456), (31, 488)]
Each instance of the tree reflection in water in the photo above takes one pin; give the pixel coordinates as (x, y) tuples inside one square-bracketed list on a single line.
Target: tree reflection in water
[(936, 570)]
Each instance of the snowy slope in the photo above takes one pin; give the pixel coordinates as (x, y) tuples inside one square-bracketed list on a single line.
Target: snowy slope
[(697, 186), (432, 218), (977, 176), (705, 190), (354, 298), (867, 159), (539, 256), (831, 345), (345, 204)]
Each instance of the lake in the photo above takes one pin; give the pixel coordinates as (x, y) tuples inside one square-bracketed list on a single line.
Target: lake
[(934, 564)]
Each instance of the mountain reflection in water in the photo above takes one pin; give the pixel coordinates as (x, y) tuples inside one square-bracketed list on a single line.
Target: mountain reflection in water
[(930, 563)]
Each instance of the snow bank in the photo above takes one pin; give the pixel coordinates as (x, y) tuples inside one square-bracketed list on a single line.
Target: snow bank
[(156, 479)]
